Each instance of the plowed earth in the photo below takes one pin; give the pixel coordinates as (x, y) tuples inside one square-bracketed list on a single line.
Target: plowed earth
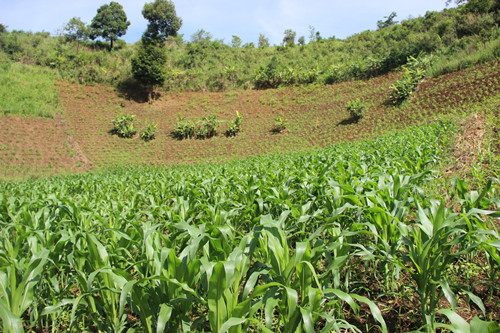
[(79, 139)]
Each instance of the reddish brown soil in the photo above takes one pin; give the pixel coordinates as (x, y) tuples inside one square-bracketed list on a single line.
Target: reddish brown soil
[(36, 146), (79, 139)]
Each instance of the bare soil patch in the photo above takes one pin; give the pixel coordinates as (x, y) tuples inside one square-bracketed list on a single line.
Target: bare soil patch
[(80, 139)]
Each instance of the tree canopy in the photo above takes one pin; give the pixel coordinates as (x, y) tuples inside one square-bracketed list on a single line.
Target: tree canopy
[(76, 29), (389, 21), (148, 64), (289, 39), (109, 23), (163, 19)]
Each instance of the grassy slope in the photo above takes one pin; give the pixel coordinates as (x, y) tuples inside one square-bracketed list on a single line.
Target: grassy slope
[(27, 90)]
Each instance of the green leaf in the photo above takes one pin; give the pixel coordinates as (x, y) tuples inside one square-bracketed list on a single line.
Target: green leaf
[(476, 300), (217, 313), (11, 323), (374, 310), (459, 325), (231, 322), (480, 326), (450, 296), (163, 317)]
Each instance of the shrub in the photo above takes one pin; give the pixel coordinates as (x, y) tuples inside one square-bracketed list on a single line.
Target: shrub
[(356, 109), (207, 127), (123, 126), (184, 129), (149, 132), (414, 72), (234, 126), (280, 125)]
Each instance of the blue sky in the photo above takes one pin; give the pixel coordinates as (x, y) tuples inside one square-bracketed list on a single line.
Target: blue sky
[(225, 18)]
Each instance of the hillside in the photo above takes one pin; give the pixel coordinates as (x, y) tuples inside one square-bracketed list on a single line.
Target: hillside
[(456, 37), (79, 138), (337, 186)]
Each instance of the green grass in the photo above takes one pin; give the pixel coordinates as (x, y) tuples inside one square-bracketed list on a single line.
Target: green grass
[(27, 90), (476, 54)]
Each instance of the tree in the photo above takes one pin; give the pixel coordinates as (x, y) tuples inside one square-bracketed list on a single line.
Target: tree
[(289, 39), (3, 28), (109, 23), (301, 40), (236, 42), (388, 22), (312, 34), (163, 20), (148, 64), (77, 30), (263, 41), (201, 36)]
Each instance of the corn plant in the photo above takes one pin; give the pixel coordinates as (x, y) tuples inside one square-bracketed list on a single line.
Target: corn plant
[(19, 277), (275, 243), (430, 244)]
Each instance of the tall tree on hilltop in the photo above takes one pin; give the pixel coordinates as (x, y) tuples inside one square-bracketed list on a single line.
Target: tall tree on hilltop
[(289, 39), (148, 64), (109, 23), (77, 30), (163, 19)]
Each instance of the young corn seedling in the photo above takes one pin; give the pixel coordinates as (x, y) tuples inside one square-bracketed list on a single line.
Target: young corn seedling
[(430, 245)]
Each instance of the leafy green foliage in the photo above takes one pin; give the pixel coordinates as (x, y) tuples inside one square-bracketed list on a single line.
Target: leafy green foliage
[(184, 129), (455, 36), (123, 126), (207, 127), (148, 66), (109, 23), (162, 18), (149, 132), (280, 124), (389, 21), (288, 241), (356, 109), (414, 72), (76, 30), (234, 126)]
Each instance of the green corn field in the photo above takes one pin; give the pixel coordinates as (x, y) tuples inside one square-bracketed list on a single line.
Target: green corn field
[(310, 242)]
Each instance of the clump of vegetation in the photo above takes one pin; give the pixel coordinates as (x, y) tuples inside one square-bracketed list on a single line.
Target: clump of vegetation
[(356, 109), (280, 124), (184, 129), (148, 64), (207, 127), (414, 72), (234, 126), (123, 126), (149, 132)]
